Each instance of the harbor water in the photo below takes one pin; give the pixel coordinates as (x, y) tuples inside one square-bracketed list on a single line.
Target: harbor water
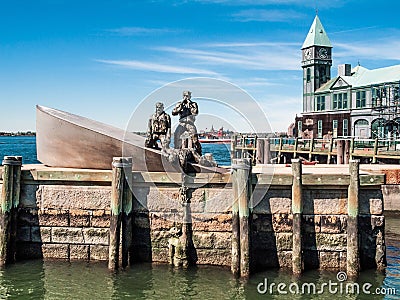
[(37, 279)]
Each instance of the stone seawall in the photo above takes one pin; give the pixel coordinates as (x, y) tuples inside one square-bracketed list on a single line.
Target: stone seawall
[(65, 213)]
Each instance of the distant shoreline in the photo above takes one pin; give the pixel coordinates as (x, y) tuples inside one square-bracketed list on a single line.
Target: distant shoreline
[(19, 133)]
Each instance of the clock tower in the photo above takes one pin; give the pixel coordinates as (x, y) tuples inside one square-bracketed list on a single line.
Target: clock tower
[(316, 63)]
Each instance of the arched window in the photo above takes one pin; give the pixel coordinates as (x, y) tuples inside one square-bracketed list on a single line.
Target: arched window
[(378, 128), (308, 74), (361, 122)]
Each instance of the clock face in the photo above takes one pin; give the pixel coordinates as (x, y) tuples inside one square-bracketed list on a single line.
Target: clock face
[(307, 54), (323, 53)]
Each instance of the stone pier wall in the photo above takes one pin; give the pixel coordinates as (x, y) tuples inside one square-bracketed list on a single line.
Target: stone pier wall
[(67, 215)]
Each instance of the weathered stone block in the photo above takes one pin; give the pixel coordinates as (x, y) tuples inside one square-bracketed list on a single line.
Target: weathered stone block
[(285, 259), (43, 232), (262, 222), (329, 260), (79, 218), (219, 257), (74, 197), (311, 224), (325, 202), (211, 240), (159, 239), (53, 218), (391, 195), (158, 221), (98, 252), (343, 260), (333, 224), (100, 221), (69, 235), (157, 199), (284, 241), (325, 241), (217, 200), (273, 201), (212, 222), (79, 252), (371, 202), (159, 254), (55, 251), (96, 236), (282, 222)]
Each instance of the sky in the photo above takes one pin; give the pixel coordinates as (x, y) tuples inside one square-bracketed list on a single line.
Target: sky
[(107, 60)]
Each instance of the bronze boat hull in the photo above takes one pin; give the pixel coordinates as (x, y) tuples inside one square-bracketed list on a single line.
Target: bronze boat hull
[(68, 140)]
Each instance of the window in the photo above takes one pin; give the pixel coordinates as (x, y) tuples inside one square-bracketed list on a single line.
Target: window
[(319, 128), (345, 127), (299, 127), (340, 101), (335, 128), (308, 74), (320, 105), (360, 99)]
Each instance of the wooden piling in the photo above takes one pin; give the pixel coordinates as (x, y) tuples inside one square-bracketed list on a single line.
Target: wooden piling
[(297, 210), (267, 151), (8, 208), (117, 191), (127, 213), (260, 151), (241, 229), (375, 151), (347, 149), (353, 260), (339, 152)]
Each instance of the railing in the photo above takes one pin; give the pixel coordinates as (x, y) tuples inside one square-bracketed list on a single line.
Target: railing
[(340, 150)]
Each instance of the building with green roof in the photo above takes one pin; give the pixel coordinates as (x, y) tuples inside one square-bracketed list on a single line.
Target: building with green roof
[(358, 102)]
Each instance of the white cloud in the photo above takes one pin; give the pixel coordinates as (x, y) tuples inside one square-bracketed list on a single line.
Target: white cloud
[(130, 31), (378, 49), (267, 15), (154, 67)]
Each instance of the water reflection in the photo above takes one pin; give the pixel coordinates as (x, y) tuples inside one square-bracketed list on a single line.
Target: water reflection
[(81, 280)]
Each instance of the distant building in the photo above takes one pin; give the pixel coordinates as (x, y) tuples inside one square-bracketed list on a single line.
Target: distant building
[(358, 102)]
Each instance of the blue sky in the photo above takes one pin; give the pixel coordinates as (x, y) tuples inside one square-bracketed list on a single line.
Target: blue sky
[(101, 59)]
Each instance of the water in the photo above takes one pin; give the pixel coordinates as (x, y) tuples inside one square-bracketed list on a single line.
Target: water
[(24, 146), (36, 279)]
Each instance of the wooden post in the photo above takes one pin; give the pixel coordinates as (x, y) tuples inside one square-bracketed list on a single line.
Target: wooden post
[(351, 148), (235, 266), (375, 151), (233, 146), (353, 261), (8, 204), (330, 151), (346, 152), (340, 152), (117, 191), (17, 163), (127, 213), (260, 151), (242, 189), (280, 149), (267, 151), (297, 210), (296, 144), (312, 142)]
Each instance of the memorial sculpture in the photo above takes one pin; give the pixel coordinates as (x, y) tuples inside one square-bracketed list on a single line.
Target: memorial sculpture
[(159, 129)]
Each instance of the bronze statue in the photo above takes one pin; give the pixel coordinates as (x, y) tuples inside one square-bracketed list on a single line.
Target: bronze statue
[(187, 111), (159, 128)]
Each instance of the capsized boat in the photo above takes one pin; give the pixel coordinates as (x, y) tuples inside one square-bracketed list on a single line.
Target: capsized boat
[(68, 140)]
